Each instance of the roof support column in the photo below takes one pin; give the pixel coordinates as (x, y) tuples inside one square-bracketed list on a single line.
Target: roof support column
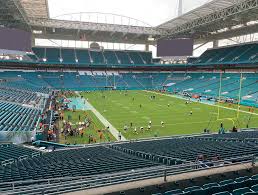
[(147, 47), (215, 43), (33, 42)]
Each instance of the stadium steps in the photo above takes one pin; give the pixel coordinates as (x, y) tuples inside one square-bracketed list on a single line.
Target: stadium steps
[(180, 148), (207, 85), (215, 88), (166, 160), (247, 51), (121, 80), (253, 93), (245, 86), (144, 62), (190, 82), (139, 82), (238, 186), (183, 82)]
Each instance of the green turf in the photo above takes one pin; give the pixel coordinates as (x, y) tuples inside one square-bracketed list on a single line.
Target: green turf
[(120, 109), (92, 130)]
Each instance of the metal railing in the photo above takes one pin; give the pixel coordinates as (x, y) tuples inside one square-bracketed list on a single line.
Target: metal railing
[(66, 184), (20, 158)]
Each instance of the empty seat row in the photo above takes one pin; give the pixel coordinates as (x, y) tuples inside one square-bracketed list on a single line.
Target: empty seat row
[(239, 186), (72, 163)]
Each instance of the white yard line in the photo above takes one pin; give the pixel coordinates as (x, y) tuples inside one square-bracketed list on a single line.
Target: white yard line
[(205, 103), (105, 122)]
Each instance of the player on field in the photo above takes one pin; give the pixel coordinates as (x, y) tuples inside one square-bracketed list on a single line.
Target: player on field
[(135, 130), (162, 123), (125, 128), (141, 129)]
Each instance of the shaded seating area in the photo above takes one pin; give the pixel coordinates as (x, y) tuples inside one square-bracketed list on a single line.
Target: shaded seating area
[(188, 149), (72, 163), (14, 117), (242, 53), (19, 96), (238, 186), (11, 151), (84, 57), (243, 135)]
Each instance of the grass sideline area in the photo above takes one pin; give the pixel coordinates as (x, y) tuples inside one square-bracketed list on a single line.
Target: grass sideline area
[(91, 130), (121, 108)]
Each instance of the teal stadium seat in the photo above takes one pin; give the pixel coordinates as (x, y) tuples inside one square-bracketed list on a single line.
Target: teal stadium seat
[(255, 188), (172, 192), (223, 193), (241, 191)]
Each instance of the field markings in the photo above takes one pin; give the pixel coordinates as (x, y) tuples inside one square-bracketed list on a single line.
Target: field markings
[(168, 95), (105, 122), (145, 117), (173, 124)]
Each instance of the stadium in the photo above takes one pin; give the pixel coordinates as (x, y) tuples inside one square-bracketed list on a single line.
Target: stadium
[(128, 98)]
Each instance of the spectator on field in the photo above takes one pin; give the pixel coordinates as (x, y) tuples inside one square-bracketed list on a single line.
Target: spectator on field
[(89, 141), (119, 136), (234, 129), (81, 132), (221, 130)]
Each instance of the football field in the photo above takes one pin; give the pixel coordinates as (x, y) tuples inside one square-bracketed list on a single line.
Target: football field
[(123, 108)]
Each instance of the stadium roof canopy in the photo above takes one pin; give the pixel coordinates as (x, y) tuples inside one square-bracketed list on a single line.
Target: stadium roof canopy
[(215, 20), (218, 19), (204, 10), (35, 8)]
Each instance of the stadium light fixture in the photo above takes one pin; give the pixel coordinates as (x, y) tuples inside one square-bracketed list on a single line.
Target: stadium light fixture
[(252, 22), (237, 26), (151, 38), (37, 31)]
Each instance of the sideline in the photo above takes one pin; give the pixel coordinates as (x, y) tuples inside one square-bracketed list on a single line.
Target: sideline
[(169, 95), (102, 119), (105, 122)]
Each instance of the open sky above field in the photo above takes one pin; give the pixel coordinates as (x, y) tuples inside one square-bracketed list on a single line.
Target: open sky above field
[(142, 10)]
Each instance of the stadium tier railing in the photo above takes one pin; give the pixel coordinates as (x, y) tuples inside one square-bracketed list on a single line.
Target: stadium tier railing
[(68, 147), (70, 184)]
